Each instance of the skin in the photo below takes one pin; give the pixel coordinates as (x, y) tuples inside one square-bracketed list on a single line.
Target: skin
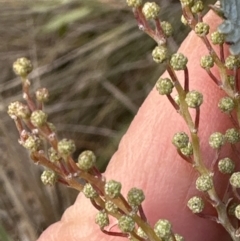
[(146, 159)]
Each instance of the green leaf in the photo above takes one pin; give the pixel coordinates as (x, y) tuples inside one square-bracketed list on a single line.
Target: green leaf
[(69, 17)]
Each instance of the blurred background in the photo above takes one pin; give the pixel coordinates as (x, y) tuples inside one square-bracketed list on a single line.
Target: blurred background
[(97, 66)]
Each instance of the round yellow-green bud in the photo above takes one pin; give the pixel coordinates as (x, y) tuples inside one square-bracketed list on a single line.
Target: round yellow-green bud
[(66, 147), (38, 118), (226, 104), (150, 10), (232, 62), (178, 237), (163, 229), (52, 126), (187, 2), (113, 189), (226, 165), (22, 67), (188, 150), (178, 61), (204, 183), (111, 207), (235, 179), (201, 29), (102, 219), (197, 7), (196, 204), (135, 197), (207, 62), (180, 140), (134, 3), (232, 136), (217, 38), (53, 155), (18, 109), (237, 212), (141, 233), (184, 20), (24, 112), (194, 99), (89, 191), (49, 177), (231, 80), (42, 95), (167, 28), (216, 140), (164, 86), (86, 160), (32, 143), (13, 109), (126, 224), (160, 54)]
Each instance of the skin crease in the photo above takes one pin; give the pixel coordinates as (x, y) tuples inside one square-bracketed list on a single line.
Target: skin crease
[(146, 159)]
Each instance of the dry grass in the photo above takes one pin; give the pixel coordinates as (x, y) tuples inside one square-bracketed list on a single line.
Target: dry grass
[(97, 66)]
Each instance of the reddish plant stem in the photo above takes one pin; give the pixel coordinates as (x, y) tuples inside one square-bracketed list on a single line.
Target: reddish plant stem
[(236, 84), (172, 101), (209, 217), (213, 77), (200, 17), (186, 158), (187, 13), (172, 75), (186, 80), (138, 16), (159, 32), (99, 191), (117, 234), (52, 138), (96, 172), (72, 165), (49, 135), (98, 207), (142, 22), (133, 234), (19, 125), (69, 165), (38, 157), (62, 181), (222, 57), (26, 95), (208, 45), (29, 124), (126, 204), (144, 26), (63, 168), (121, 211), (142, 214), (197, 118), (39, 105)]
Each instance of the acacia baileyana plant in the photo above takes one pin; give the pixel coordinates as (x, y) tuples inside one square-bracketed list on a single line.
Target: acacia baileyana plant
[(105, 195)]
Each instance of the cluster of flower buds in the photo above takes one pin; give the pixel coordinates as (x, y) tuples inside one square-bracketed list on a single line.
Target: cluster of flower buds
[(32, 123), (33, 127)]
